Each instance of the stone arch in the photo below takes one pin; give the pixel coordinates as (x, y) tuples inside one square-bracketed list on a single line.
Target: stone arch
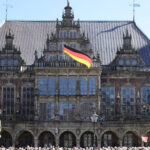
[(67, 139), (46, 138), (109, 138), (87, 139), (130, 139), (6, 139), (24, 139)]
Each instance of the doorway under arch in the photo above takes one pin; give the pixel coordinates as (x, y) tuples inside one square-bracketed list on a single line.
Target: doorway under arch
[(109, 139), (67, 139), (87, 139), (25, 139), (130, 139), (6, 139), (46, 139)]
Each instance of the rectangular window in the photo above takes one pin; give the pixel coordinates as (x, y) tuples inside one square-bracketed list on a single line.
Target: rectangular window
[(28, 103), (128, 100), (83, 86), (67, 110), (146, 96), (107, 104), (86, 110), (63, 110), (43, 86), (92, 85), (72, 86), (51, 86), (63, 86), (47, 111), (8, 101)]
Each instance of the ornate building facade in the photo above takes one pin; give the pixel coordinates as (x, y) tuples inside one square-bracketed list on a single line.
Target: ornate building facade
[(47, 98)]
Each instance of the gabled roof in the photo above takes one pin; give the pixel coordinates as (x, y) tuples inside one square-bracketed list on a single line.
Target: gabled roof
[(105, 37)]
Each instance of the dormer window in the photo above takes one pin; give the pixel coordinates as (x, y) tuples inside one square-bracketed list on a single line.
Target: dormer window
[(16, 62), (134, 62), (127, 62), (120, 62), (74, 35), (71, 35), (60, 47), (60, 35), (2, 62), (65, 35), (9, 62)]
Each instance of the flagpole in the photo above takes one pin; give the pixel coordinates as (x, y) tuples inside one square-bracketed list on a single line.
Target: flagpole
[(133, 11)]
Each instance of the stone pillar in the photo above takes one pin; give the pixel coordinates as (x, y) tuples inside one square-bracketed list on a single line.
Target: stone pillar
[(98, 142), (57, 140), (120, 142), (36, 141), (78, 142), (13, 142)]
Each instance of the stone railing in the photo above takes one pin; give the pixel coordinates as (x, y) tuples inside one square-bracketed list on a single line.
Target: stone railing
[(107, 68)]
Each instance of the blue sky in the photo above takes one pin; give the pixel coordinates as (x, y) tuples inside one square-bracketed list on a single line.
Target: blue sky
[(83, 9)]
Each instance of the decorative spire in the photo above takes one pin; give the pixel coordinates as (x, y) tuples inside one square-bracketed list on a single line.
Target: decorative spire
[(127, 41)]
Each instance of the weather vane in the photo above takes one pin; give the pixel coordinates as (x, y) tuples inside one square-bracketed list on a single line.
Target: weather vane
[(134, 4), (7, 6)]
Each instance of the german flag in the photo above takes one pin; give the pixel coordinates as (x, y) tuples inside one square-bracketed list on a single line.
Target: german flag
[(78, 56)]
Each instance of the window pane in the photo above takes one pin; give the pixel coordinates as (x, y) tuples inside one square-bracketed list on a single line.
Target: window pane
[(128, 100), (51, 86), (63, 86), (83, 86), (72, 86), (107, 105), (146, 96), (92, 86), (47, 111), (8, 101), (43, 86)]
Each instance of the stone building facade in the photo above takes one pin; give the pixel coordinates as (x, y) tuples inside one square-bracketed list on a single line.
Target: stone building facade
[(47, 98)]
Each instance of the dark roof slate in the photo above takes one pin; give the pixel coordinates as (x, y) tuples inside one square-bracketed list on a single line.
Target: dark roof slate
[(105, 37)]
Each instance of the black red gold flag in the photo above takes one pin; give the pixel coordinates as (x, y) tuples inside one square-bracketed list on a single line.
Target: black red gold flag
[(78, 56)]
